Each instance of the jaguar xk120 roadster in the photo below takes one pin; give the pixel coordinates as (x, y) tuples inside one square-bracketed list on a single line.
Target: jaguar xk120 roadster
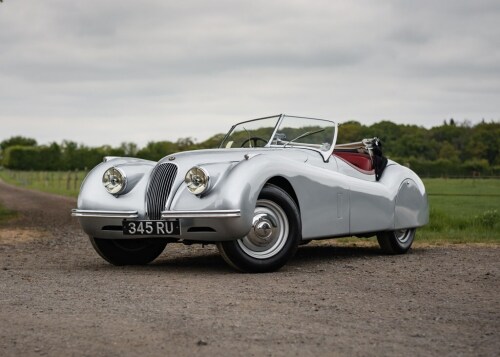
[(274, 183)]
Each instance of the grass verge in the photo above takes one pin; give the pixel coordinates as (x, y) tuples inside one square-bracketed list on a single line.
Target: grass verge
[(6, 214), (56, 182), (462, 211)]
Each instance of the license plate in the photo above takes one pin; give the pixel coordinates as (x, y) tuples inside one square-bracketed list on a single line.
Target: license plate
[(152, 228)]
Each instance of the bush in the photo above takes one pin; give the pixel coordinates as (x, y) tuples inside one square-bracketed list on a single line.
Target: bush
[(21, 158), (32, 157)]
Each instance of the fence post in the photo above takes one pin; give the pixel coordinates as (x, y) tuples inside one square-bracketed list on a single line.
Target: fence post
[(68, 181), (76, 181)]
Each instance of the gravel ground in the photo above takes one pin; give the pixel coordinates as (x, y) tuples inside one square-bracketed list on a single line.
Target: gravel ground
[(58, 297)]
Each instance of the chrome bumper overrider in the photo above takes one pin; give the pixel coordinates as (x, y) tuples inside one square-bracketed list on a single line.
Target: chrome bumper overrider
[(164, 214)]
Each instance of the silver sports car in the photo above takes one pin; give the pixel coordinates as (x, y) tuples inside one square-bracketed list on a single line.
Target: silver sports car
[(274, 183)]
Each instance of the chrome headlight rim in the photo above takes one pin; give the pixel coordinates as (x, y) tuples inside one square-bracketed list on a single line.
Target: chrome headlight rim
[(116, 189), (197, 188)]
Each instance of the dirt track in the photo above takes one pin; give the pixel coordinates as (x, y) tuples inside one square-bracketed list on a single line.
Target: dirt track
[(57, 297)]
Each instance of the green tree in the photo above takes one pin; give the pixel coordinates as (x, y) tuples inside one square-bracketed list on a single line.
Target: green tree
[(484, 142), (350, 131), (185, 144), (50, 157), (129, 149), (386, 131), (448, 152), (157, 150), (17, 141)]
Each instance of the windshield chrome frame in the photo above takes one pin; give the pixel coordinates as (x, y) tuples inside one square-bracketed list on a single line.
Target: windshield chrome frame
[(325, 154), (279, 116)]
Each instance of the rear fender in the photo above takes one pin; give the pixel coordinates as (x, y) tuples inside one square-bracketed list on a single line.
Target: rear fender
[(412, 209)]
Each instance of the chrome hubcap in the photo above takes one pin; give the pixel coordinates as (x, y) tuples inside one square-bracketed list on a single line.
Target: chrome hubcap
[(269, 231), (263, 229)]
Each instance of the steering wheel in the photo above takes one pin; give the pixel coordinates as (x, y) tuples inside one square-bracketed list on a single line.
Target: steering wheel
[(253, 139)]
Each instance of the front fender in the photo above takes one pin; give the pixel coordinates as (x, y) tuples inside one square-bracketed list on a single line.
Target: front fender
[(93, 195), (237, 188)]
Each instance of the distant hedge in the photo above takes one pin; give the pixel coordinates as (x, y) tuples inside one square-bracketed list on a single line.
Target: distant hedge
[(32, 158), (449, 168), (52, 158)]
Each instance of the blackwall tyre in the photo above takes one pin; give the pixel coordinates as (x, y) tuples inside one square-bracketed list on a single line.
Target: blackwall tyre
[(273, 238), (396, 242), (128, 251)]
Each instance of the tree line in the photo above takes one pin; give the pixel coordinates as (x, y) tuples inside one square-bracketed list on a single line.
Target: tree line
[(449, 149)]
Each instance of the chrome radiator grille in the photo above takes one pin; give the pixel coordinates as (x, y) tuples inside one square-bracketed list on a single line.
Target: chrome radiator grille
[(160, 184)]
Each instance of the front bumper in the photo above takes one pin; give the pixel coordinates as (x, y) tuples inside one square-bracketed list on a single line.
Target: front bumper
[(201, 214), (207, 226), (104, 214)]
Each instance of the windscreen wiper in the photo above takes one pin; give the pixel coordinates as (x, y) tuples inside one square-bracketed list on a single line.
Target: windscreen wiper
[(303, 136)]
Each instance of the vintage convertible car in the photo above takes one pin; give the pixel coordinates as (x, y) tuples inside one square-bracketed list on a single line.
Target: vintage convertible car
[(273, 184)]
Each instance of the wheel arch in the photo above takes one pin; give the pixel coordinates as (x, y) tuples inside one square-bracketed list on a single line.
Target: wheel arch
[(286, 186)]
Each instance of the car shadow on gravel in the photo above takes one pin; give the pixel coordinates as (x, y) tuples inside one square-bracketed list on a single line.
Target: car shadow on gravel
[(212, 263), (209, 260), (331, 254)]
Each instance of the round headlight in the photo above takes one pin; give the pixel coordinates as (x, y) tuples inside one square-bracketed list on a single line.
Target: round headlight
[(197, 180), (114, 180)]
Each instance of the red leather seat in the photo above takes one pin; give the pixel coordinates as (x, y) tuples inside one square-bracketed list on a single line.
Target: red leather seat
[(362, 161)]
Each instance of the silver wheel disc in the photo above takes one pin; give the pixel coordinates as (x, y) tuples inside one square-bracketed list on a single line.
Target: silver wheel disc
[(403, 235), (269, 231)]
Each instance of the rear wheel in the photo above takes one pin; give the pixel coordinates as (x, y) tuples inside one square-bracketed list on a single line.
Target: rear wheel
[(396, 242), (128, 251), (273, 238)]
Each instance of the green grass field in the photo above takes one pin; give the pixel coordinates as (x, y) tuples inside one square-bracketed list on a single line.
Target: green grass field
[(65, 183), (461, 210)]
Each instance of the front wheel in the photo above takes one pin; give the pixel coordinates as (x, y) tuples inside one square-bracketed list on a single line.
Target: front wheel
[(128, 251), (396, 242), (273, 238)]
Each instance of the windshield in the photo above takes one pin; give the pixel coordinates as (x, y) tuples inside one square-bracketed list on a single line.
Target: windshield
[(282, 131), (313, 133)]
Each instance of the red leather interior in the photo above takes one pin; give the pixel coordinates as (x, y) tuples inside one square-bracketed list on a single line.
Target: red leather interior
[(362, 161)]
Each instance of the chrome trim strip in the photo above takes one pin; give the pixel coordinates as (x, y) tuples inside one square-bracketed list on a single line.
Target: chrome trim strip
[(202, 214), (104, 214)]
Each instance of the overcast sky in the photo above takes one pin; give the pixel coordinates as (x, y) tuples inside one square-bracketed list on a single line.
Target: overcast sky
[(104, 72)]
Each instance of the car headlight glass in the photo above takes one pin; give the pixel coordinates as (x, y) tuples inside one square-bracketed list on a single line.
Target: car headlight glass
[(197, 180), (114, 180)]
